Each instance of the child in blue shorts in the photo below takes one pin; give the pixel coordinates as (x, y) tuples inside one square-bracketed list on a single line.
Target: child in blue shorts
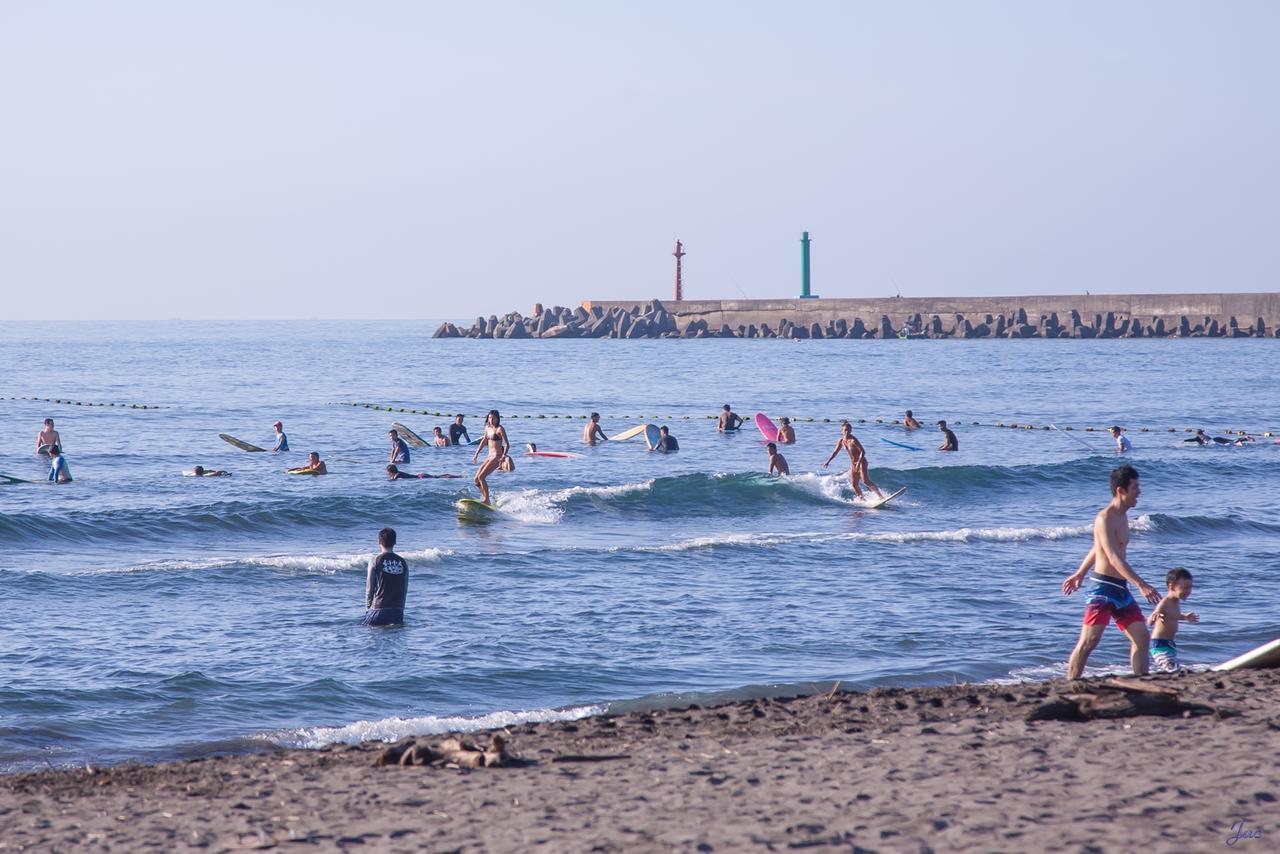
[(1165, 618)]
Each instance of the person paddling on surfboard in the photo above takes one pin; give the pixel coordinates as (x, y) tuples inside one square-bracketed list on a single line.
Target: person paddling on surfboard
[(282, 441), (314, 465), (394, 473), (786, 433), (729, 420), (592, 431), (47, 438), (857, 459), (777, 462), (201, 471), (495, 439)]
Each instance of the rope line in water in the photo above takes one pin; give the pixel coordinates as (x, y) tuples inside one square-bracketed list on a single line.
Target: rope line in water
[(999, 424), (84, 403)]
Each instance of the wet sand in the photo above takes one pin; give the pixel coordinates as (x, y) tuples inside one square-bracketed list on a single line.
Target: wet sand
[(944, 769)]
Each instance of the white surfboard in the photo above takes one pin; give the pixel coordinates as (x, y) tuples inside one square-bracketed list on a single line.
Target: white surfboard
[(876, 505), (627, 434), (1265, 656)]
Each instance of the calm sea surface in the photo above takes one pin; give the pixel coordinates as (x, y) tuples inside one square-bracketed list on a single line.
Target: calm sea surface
[(150, 615)]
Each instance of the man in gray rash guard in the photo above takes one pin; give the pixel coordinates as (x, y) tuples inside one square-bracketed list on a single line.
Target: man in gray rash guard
[(388, 581)]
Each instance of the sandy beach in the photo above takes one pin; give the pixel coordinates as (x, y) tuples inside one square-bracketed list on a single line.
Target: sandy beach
[(1161, 764)]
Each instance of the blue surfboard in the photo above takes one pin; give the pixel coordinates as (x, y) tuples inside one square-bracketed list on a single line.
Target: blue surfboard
[(900, 444)]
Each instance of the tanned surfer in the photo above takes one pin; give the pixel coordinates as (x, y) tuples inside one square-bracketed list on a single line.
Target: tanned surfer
[(495, 439), (47, 438), (592, 431), (857, 459), (910, 421), (777, 462), (786, 433), (729, 420), (313, 466)]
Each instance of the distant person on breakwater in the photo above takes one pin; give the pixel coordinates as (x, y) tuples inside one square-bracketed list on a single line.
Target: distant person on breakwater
[(201, 471), (59, 471), (666, 442), (857, 459), (729, 420), (282, 441), (950, 443), (592, 431), (440, 440), (313, 466), (386, 584), (458, 431), (910, 421), (1123, 445), (495, 439), (1109, 596), (777, 462), (786, 433), (1165, 617), (47, 438), (399, 448), (394, 473)]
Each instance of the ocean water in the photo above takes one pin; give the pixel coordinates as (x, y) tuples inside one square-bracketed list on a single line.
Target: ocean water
[(151, 616)]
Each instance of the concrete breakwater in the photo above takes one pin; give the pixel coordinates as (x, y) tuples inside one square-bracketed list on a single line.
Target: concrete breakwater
[(1089, 316)]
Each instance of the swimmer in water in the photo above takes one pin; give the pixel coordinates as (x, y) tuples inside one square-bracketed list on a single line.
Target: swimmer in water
[(950, 442), (313, 466), (729, 420), (458, 432), (857, 459), (666, 442), (282, 441), (394, 473), (777, 462), (592, 431), (910, 421), (495, 439), (201, 471), (1123, 445), (59, 471), (440, 440), (786, 433)]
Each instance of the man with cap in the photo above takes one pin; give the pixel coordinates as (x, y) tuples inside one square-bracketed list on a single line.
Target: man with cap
[(282, 441)]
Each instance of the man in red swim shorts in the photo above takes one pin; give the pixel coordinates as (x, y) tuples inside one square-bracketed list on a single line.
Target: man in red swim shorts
[(1109, 597)]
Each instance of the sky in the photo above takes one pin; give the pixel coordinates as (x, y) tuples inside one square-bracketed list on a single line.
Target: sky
[(309, 159)]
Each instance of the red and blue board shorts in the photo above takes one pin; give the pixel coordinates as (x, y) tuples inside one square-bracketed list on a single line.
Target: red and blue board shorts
[(1110, 599)]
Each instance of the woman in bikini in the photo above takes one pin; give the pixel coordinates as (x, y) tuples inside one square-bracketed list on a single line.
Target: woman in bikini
[(495, 439), (857, 459)]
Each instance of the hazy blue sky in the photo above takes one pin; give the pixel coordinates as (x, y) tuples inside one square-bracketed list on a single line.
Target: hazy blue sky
[(420, 159)]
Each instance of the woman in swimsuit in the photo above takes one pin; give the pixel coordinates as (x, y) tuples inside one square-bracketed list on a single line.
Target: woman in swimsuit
[(495, 438), (857, 459)]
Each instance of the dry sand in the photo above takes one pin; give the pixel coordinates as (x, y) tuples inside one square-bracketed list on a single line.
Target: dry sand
[(943, 769)]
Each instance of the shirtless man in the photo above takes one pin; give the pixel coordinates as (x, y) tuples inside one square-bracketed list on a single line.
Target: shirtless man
[(910, 421), (313, 466), (495, 439), (729, 420), (857, 459), (786, 433), (47, 438), (1109, 594), (592, 431), (394, 473), (440, 440), (777, 462)]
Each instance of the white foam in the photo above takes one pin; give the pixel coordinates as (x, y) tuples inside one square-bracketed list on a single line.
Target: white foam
[(304, 564), (546, 508), (829, 487), (394, 729)]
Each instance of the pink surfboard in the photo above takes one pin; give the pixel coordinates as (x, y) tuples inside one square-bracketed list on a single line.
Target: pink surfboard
[(766, 427)]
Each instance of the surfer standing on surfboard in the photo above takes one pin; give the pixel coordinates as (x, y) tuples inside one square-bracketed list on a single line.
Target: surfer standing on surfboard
[(729, 420), (495, 439), (857, 459), (592, 431)]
